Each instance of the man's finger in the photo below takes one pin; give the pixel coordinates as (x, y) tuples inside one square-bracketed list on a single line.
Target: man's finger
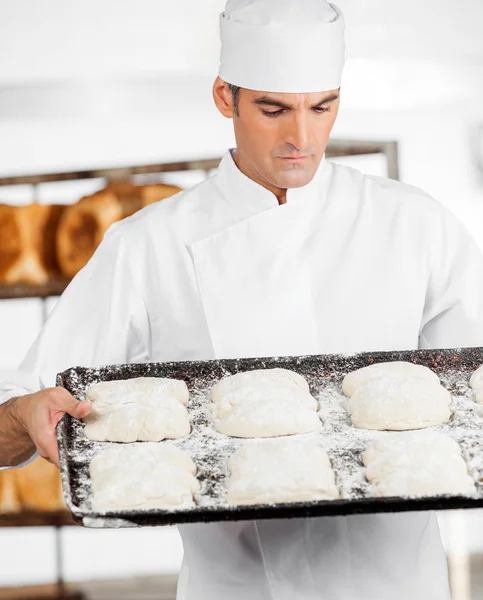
[(67, 403), (82, 409)]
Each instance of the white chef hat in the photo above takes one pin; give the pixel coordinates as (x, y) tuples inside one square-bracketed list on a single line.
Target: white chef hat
[(282, 45)]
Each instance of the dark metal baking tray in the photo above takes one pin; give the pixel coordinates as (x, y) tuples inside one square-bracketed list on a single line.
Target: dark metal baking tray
[(210, 450)]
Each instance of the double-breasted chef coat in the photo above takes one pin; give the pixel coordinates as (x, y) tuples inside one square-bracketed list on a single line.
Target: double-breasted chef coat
[(350, 263)]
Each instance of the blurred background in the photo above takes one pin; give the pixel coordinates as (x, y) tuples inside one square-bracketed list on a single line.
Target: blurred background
[(118, 95)]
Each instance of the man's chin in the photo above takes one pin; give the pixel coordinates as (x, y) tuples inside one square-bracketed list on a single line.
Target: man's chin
[(294, 179)]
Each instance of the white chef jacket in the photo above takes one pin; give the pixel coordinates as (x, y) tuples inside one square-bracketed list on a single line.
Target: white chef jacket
[(350, 263)]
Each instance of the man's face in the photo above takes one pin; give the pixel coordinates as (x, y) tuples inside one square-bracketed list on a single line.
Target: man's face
[(273, 128)]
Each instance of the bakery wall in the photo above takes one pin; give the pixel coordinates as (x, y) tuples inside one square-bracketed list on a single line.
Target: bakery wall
[(92, 84)]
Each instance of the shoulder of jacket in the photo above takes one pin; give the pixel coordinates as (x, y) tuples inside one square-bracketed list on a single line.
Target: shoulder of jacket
[(384, 189)]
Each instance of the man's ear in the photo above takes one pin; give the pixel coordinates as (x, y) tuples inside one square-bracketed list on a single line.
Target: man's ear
[(223, 98)]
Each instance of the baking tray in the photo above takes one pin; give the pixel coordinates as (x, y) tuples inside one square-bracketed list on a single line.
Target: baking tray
[(210, 450)]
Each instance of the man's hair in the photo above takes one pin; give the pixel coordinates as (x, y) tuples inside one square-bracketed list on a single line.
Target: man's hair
[(235, 94)]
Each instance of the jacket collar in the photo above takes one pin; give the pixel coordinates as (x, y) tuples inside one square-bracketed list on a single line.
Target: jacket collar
[(248, 197)]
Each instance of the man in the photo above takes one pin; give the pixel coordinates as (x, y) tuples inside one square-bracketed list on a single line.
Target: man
[(279, 253)]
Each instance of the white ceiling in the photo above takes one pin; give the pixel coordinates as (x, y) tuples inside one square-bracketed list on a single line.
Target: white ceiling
[(54, 39)]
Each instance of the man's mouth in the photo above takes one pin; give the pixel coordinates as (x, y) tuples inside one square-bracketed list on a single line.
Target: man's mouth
[(294, 159)]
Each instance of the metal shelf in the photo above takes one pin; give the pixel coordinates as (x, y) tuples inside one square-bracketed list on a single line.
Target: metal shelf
[(112, 173), (55, 287), (59, 518), (335, 149)]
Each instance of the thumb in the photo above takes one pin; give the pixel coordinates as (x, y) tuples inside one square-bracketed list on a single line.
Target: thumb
[(70, 405), (81, 409)]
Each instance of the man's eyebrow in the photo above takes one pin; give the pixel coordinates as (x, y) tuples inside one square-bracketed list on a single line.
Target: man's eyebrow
[(266, 101), (327, 100)]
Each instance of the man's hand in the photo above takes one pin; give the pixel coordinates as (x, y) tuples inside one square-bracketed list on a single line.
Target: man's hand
[(37, 415)]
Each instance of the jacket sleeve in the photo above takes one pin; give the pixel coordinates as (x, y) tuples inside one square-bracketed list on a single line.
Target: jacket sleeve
[(100, 319), (453, 312)]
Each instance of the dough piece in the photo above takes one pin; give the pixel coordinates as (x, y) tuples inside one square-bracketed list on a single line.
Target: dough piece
[(398, 404), (252, 393), (399, 370), (280, 471), (264, 403), (137, 388), (402, 450), (476, 381), (479, 395), (268, 418), (150, 420), (142, 476), (138, 409), (417, 464), (273, 377)]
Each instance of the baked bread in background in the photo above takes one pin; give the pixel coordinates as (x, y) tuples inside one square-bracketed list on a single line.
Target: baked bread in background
[(154, 192), (84, 224), (36, 487), (82, 228), (128, 196), (39, 487), (41, 241), (9, 501), (28, 243)]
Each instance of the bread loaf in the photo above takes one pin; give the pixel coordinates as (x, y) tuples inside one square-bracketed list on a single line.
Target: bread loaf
[(82, 228), (27, 243), (128, 195), (39, 486), (134, 197), (157, 191), (9, 500)]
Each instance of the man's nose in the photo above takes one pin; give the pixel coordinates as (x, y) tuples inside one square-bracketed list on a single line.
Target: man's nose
[(298, 133)]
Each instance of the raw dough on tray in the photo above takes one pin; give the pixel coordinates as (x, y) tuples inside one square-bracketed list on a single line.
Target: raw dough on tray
[(476, 381), (417, 464), (141, 476), (136, 388), (264, 403), (399, 370), (138, 409), (398, 404), (280, 471), (251, 393), (268, 418), (273, 377)]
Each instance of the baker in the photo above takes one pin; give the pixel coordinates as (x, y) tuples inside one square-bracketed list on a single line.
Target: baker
[(280, 252)]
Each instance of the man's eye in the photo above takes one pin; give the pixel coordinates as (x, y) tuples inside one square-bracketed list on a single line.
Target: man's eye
[(318, 110), (274, 113)]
